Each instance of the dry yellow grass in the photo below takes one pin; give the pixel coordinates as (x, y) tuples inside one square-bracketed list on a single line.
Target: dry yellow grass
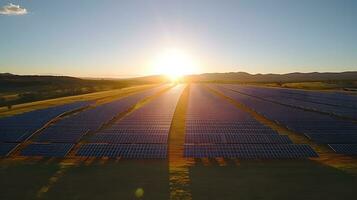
[(100, 97), (179, 179)]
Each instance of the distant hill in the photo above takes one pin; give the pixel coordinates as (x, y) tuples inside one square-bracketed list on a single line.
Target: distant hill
[(15, 89), (243, 77), (151, 79), (12, 81)]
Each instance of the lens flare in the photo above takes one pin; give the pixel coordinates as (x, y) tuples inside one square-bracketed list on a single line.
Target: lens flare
[(174, 64)]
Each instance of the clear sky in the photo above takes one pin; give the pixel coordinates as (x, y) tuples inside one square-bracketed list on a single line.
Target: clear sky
[(112, 38)]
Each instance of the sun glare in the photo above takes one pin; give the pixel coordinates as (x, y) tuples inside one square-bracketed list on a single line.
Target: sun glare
[(174, 64)]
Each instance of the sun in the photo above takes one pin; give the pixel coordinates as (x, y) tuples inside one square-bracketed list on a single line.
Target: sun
[(174, 63)]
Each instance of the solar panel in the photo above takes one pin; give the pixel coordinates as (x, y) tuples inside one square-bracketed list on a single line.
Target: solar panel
[(236, 138), (205, 138), (119, 129), (250, 151), (231, 131), (47, 150), (333, 138), (61, 136), (18, 128), (128, 138), (7, 148), (132, 151), (258, 139), (342, 131), (133, 131), (14, 136), (348, 149)]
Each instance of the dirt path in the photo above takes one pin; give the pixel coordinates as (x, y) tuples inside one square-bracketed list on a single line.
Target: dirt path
[(179, 180)]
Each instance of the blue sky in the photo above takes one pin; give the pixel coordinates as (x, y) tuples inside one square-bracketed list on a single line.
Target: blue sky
[(112, 38)]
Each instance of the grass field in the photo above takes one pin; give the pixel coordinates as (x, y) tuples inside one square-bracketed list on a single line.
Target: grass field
[(17, 89), (99, 97), (177, 178), (208, 179), (317, 85), (271, 180)]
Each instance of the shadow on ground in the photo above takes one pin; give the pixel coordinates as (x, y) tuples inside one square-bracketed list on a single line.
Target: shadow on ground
[(272, 180), (23, 181), (113, 181), (276, 180)]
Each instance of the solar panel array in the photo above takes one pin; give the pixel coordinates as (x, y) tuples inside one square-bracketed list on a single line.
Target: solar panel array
[(58, 139), (6, 148), (335, 103), (72, 128), (216, 128), (47, 150), (19, 127), (142, 134), (318, 127)]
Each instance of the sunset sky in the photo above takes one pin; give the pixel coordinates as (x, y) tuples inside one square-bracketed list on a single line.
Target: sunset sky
[(112, 38)]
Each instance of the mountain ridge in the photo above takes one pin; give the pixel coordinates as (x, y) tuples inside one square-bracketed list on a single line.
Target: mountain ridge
[(239, 77), (289, 77)]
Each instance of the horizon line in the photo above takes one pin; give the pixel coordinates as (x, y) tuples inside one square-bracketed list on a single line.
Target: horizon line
[(143, 76)]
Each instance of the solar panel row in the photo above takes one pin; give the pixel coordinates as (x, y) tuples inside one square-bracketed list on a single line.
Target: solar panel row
[(15, 136), (333, 138), (134, 131), (236, 138), (58, 135), (47, 149), (122, 127), (250, 151), (19, 127), (129, 138), (217, 130), (133, 151), (7, 148), (348, 149)]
